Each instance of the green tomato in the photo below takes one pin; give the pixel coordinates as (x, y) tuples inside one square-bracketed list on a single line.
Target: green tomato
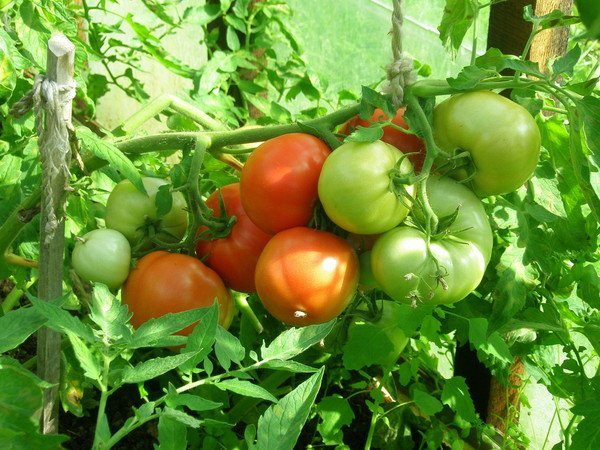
[(381, 342), (130, 211), (458, 255), (355, 187), (103, 256), (501, 136)]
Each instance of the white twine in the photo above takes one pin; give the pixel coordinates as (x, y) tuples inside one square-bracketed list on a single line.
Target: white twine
[(400, 72), (48, 100)]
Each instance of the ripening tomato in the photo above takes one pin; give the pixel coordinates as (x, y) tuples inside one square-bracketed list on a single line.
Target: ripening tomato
[(233, 257), (406, 142), (501, 136), (164, 282), (402, 260), (357, 188), (279, 181), (306, 276)]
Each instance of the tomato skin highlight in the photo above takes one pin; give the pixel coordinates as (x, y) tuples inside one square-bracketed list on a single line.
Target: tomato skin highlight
[(402, 264), (233, 257), (405, 142), (306, 276), (501, 136), (279, 181), (164, 282), (127, 210), (355, 187), (103, 256)]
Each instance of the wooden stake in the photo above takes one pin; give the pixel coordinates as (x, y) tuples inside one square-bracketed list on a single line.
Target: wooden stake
[(59, 68)]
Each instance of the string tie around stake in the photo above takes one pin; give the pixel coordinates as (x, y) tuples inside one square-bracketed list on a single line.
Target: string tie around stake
[(47, 100), (400, 72)]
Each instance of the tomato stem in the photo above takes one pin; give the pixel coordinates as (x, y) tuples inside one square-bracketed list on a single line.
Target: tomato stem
[(241, 302)]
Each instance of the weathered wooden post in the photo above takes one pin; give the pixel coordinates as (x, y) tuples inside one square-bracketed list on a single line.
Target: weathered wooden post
[(56, 94)]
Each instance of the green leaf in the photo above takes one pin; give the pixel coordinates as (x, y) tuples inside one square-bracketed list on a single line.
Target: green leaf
[(228, 349), (282, 422), (294, 341), (288, 366), (108, 152), (488, 347), (427, 402), (172, 435), (155, 367), (163, 200), (16, 326), (154, 330), (232, 39), (87, 360), (456, 21), (109, 314), (587, 432), (335, 412), (62, 321), (246, 388), (456, 395), (590, 16), (20, 405), (365, 134), (371, 99), (181, 417), (202, 338), (193, 402), (566, 63), (514, 279), (495, 59), (469, 77)]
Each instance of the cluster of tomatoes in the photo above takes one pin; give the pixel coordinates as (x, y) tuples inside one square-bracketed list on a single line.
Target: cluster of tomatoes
[(305, 275)]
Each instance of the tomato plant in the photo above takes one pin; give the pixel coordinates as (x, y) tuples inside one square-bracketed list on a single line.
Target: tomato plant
[(234, 256), (306, 276), (102, 255), (358, 189), (279, 181), (445, 269), (163, 282), (501, 137), (133, 212), (405, 142)]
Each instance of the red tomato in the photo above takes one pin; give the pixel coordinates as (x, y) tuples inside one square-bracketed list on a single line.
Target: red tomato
[(407, 143), (279, 181), (165, 282), (306, 276), (233, 257)]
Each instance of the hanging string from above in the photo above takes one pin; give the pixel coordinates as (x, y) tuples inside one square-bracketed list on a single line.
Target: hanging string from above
[(400, 72)]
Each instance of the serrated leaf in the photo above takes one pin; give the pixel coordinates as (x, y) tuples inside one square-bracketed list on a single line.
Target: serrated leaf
[(228, 349), (155, 367), (289, 366), (202, 338), (110, 153), (246, 389), (294, 341), (109, 314), (282, 423), (335, 412), (365, 134), (87, 360), (456, 21), (163, 200), (232, 39), (492, 346), (60, 320), (566, 63), (172, 434), (371, 99), (456, 395), (427, 402), (154, 330), (469, 77), (181, 417), (16, 326), (193, 402)]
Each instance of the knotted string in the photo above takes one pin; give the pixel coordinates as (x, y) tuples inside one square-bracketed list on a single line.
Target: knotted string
[(400, 71), (47, 100)]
